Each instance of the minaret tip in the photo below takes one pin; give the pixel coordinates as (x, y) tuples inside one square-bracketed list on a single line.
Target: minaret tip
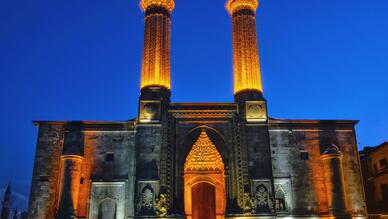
[(234, 5), (246, 62), (167, 4)]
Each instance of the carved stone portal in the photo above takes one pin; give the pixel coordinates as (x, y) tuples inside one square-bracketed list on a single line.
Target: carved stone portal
[(204, 166), (107, 200)]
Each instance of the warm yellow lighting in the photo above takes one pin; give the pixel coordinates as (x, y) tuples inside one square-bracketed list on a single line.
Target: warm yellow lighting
[(204, 165), (246, 63), (156, 52), (204, 156), (234, 5), (71, 166), (167, 4)]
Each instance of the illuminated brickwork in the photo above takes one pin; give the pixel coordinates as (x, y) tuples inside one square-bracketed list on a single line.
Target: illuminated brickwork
[(204, 165), (204, 156), (167, 161), (235, 5), (167, 4), (156, 51), (246, 62)]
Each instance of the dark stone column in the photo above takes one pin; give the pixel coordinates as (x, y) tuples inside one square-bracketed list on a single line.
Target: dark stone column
[(70, 171), (332, 162)]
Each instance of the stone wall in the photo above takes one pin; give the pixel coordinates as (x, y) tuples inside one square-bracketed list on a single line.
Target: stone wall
[(137, 158), (46, 170), (108, 157), (289, 145)]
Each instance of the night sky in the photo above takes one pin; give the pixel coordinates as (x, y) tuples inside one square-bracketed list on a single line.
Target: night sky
[(80, 60)]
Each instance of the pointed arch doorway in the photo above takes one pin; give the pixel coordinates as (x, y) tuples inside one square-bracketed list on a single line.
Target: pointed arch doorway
[(204, 181)]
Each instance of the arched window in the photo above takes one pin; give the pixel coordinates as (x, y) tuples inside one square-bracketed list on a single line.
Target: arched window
[(107, 209), (280, 199), (148, 199)]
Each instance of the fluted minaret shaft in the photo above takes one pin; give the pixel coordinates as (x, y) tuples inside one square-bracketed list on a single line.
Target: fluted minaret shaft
[(246, 65), (156, 51)]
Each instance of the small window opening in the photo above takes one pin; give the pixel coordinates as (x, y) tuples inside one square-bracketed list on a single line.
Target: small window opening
[(44, 178), (109, 157), (304, 155)]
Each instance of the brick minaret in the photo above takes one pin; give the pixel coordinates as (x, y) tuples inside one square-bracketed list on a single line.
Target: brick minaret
[(5, 211), (156, 51), (253, 121), (155, 94), (246, 64), (155, 76)]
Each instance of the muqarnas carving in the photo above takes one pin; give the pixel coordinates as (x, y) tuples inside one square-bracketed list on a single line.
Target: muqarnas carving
[(107, 200), (146, 198), (262, 199)]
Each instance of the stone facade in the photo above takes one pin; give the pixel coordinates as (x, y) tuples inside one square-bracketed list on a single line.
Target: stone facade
[(249, 164), (131, 164), (108, 158)]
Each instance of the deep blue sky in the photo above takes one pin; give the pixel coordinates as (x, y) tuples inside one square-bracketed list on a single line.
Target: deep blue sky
[(80, 60)]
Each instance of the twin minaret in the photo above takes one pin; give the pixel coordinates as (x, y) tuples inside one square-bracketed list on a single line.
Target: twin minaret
[(156, 52)]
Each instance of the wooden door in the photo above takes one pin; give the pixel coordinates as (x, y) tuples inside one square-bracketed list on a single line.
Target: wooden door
[(203, 201)]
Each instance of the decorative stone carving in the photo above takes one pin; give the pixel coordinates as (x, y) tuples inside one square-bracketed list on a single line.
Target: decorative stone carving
[(204, 165), (103, 191), (262, 196), (149, 111), (161, 205), (256, 111), (283, 200), (204, 156), (240, 151), (146, 197), (248, 204), (107, 209)]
